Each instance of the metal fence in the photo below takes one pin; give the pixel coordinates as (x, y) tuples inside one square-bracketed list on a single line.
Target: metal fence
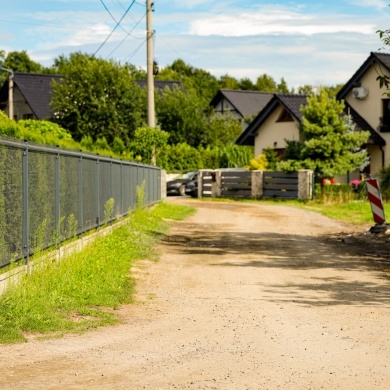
[(48, 195)]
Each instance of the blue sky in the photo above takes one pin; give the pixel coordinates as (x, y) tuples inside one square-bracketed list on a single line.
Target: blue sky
[(304, 41)]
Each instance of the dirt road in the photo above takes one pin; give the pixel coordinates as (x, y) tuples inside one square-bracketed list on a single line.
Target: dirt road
[(244, 297)]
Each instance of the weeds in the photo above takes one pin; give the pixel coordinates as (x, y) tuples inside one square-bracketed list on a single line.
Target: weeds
[(81, 291)]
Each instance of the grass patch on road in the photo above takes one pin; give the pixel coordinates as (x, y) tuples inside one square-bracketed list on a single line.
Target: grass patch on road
[(83, 290), (357, 212)]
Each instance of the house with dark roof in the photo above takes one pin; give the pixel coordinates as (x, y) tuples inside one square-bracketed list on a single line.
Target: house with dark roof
[(276, 122), (364, 101), (370, 107), (242, 105), (32, 94)]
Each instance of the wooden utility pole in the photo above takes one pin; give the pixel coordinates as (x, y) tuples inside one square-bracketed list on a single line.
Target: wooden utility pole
[(149, 68)]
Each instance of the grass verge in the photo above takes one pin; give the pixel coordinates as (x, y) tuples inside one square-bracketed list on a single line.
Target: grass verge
[(81, 292)]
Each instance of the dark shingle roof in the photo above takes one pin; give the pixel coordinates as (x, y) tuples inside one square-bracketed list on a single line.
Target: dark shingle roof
[(293, 104), (247, 103), (381, 58), (37, 90), (361, 124), (290, 102)]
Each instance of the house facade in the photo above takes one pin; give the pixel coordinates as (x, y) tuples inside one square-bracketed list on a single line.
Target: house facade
[(32, 93), (240, 104), (362, 93), (364, 101)]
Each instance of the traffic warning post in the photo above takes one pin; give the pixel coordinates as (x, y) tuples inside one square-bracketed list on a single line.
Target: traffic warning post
[(378, 211)]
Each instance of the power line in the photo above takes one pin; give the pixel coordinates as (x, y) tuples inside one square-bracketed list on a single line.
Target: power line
[(131, 55), (126, 36), (116, 26)]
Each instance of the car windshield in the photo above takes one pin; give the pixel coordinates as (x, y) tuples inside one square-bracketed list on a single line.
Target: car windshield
[(187, 175)]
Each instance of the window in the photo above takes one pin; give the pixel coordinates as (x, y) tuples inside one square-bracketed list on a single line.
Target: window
[(285, 116), (384, 125), (28, 116)]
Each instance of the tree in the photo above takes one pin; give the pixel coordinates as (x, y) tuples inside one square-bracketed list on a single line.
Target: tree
[(179, 112), (200, 81), (246, 84), (148, 143), (331, 146), (228, 82), (222, 129), (266, 83), (384, 79), (97, 98), (19, 61)]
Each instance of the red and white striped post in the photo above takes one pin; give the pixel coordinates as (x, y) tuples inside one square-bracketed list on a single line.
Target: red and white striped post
[(375, 198)]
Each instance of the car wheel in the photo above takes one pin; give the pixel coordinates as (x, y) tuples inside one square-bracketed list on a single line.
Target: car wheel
[(182, 190)]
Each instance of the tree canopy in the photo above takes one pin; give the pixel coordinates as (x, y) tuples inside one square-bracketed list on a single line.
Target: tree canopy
[(97, 98), (331, 146)]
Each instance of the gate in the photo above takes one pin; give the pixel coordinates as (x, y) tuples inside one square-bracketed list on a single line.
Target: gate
[(280, 185)]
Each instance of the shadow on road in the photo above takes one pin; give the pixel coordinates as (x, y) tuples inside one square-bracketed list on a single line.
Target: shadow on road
[(293, 254)]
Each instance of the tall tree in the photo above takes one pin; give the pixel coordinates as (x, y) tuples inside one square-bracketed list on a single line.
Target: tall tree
[(97, 98), (330, 146), (266, 83), (228, 82), (246, 84), (179, 112), (20, 61), (203, 83), (222, 129)]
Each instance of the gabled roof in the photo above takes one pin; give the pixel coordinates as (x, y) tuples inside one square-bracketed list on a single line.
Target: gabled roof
[(361, 124), (36, 89), (380, 58), (291, 103), (247, 103)]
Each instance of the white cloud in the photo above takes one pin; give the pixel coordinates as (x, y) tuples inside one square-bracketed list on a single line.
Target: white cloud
[(275, 21), (378, 4)]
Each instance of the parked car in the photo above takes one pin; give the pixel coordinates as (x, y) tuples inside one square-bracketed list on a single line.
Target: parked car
[(192, 188), (178, 185)]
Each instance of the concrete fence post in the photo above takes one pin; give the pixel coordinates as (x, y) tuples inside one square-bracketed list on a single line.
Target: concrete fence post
[(305, 184), (216, 187), (257, 184), (163, 184)]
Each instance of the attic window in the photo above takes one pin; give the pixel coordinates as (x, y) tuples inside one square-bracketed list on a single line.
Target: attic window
[(285, 116)]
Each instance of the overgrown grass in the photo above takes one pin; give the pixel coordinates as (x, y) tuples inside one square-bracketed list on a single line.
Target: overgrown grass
[(81, 291), (355, 212)]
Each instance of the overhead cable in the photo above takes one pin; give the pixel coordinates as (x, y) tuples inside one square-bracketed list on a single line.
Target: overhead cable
[(126, 36), (116, 26)]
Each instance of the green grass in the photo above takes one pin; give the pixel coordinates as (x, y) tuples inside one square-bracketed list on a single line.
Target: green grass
[(356, 212), (82, 291)]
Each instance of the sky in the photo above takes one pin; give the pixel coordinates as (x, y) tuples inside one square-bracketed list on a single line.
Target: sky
[(312, 42)]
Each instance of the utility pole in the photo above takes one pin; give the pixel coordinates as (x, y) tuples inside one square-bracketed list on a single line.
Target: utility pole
[(149, 63)]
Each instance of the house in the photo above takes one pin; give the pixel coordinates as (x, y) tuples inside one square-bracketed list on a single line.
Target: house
[(276, 122), (32, 93), (241, 104), (364, 101), (363, 95)]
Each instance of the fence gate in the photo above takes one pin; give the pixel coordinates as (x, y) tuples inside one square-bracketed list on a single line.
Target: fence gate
[(280, 185), (236, 184)]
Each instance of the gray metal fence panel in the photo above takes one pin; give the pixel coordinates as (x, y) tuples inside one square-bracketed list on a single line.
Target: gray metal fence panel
[(48, 194)]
